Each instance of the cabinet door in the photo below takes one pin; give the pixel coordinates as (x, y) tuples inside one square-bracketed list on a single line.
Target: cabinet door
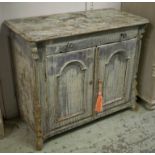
[(115, 68), (69, 87)]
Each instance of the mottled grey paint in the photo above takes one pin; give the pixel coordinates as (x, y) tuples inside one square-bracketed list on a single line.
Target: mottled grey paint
[(70, 24), (57, 78)]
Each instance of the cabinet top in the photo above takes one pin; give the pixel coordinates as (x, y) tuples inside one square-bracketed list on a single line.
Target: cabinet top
[(69, 24)]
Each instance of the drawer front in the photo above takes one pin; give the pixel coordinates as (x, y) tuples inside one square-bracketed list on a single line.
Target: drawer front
[(69, 87), (91, 41)]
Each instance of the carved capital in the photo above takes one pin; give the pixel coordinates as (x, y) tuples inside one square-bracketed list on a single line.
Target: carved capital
[(35, 53), (141, 31)]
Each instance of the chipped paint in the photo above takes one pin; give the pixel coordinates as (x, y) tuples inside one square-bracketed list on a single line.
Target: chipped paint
[(41, 89), (69, 24)]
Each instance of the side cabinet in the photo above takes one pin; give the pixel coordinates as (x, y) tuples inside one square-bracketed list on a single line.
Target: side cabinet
[(69, 87), (115, 65), (58, 61)]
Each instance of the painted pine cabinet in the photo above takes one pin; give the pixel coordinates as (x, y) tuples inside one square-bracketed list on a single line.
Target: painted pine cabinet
[(62, 61)]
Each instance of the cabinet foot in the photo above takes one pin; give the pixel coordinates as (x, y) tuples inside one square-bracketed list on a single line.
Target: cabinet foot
[(134, 107), (39, 144)]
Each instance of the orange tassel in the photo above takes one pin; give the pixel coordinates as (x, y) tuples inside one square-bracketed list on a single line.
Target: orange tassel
[(99, 102)]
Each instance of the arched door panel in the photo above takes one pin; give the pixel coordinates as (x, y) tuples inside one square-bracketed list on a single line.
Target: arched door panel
[(69, 87), (115, 68)]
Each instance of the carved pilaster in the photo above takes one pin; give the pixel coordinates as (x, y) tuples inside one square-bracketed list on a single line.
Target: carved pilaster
[(134, 91), (37, 115), (36, 100)]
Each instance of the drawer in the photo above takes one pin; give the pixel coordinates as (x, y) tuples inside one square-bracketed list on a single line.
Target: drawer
[(90, 41)]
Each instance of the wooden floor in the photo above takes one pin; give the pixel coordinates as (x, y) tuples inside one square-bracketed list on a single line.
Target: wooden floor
[(126, 131)]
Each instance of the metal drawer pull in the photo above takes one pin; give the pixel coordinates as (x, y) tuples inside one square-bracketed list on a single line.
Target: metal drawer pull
[(69, 45), (99, 102), (123, 35)]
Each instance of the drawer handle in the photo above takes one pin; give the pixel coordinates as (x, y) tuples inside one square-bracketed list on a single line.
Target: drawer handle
[(66, 47), (99, 102), (69, 45), (123, 36)]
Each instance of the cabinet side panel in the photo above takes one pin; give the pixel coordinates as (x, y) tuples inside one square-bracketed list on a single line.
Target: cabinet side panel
[(23, 68)]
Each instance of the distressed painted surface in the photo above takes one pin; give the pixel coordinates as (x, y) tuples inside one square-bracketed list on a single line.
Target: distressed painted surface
[(71, 78), (70, 91), (24, 81), (115, 69), (69, 24), (97, 39), (57, 79)]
